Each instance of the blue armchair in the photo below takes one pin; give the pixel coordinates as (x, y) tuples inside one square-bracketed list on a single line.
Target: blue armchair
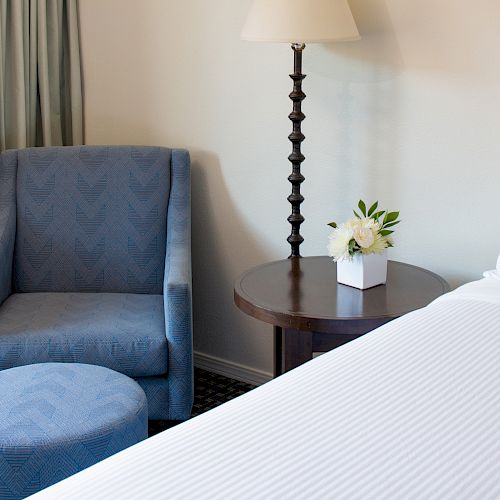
[(95, 265)]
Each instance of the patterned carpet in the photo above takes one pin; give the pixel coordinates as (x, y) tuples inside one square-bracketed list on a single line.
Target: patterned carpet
[(210, 390)]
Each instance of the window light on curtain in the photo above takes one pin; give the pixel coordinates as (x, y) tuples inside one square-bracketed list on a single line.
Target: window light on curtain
[(40, 75)]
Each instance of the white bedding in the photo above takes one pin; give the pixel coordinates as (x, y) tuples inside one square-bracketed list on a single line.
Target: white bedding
[(411, 410)]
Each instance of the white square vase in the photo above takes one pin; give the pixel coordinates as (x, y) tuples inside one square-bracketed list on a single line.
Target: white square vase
[(363, 271)]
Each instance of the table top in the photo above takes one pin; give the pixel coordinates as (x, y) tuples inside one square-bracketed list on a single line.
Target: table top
[(303, 293)]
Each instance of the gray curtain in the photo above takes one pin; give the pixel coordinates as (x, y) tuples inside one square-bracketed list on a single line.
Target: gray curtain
[(40, 75)]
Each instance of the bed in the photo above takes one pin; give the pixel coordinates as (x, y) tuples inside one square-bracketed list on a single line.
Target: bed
[(410, 410)]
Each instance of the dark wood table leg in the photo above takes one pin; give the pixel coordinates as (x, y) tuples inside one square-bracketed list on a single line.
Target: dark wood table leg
[(297, 348), (278, 351)]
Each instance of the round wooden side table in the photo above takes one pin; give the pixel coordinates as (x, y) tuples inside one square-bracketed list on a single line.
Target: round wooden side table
[(311, 312)]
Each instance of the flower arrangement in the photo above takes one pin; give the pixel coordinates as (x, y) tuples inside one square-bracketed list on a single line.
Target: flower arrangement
[(367, 233)]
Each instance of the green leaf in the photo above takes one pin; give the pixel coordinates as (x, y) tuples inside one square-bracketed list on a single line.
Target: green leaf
[(390, 224), (390, 217), (333, 224), (353, 247), (352, 244), (377, 215), (372, 209), (362, 207), (385, 232), (356, 214)]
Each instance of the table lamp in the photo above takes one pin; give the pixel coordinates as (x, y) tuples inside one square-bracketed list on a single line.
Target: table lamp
[(299, 22)]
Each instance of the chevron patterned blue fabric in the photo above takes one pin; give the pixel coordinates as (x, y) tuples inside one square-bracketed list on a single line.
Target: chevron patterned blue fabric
[(121, 331), (91, 219), (157, 391), (177, 291), (57, 419), (8, 171)]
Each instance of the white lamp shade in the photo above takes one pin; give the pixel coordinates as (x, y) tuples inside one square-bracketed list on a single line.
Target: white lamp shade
[(300, 21)]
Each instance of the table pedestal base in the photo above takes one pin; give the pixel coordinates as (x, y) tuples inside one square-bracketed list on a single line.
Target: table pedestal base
[(293, 348)]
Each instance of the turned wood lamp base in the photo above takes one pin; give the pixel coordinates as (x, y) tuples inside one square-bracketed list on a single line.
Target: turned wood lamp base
[(296, 158)]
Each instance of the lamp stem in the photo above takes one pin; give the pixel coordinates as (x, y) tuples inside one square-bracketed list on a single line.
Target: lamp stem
[(296, 158)]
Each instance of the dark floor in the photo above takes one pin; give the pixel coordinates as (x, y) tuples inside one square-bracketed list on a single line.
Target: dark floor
[(210, 390)]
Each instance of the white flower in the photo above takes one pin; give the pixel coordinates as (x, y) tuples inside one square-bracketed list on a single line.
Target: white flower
[(367, 222), (380, 243), (338, 246), (364, 237), (364, 231)]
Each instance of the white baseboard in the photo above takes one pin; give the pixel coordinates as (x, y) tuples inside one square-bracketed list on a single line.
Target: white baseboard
[(230, 369)]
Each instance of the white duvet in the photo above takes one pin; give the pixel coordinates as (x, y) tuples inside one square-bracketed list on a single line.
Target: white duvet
[(411, 410)]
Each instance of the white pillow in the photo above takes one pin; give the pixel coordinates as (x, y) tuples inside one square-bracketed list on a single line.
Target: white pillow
[(495, 274)]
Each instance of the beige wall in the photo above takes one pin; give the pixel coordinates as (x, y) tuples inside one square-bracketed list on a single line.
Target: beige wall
[(410, 116)]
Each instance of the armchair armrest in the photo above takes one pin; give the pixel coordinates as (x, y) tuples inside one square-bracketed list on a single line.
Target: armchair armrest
[(8, 171), (177, 289)]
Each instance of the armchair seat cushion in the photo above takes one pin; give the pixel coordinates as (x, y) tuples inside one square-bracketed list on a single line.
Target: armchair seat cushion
[(124, 332)]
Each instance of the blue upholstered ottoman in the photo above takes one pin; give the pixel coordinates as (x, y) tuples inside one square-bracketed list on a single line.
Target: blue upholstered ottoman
[(57, 419)]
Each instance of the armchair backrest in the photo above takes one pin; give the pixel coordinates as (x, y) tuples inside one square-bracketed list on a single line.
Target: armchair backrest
[(91, 219)]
